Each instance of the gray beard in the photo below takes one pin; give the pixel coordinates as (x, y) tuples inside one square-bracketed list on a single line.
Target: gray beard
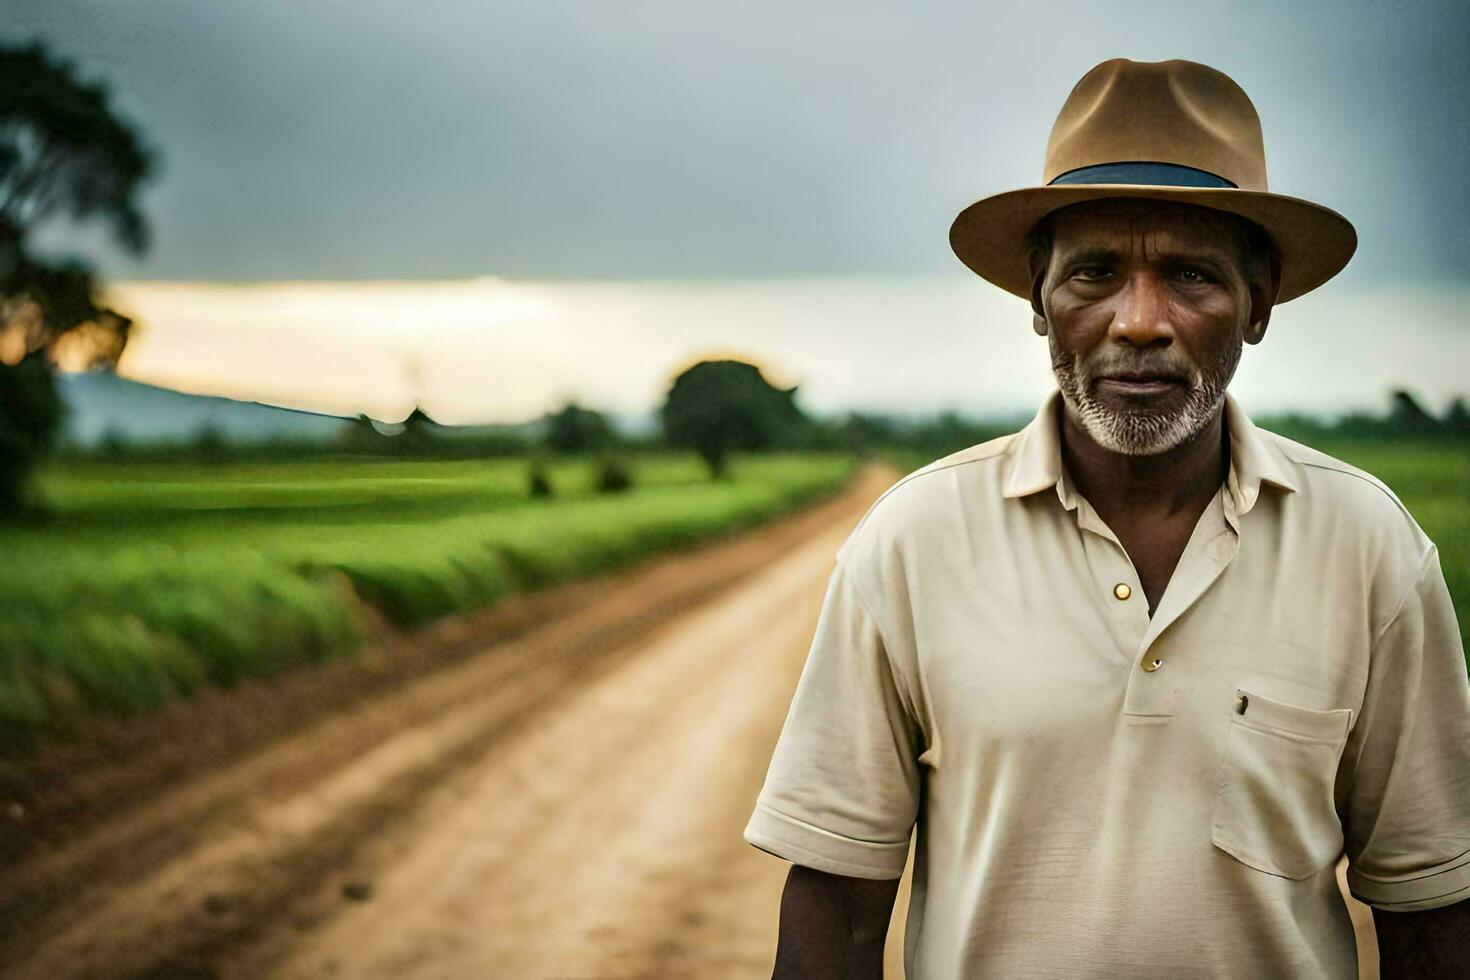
[(1143, 433)]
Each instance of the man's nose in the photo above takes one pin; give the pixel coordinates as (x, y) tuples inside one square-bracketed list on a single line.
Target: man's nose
[(1142, 316)]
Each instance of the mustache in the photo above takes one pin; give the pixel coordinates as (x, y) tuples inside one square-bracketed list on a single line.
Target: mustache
[(1115, 362)]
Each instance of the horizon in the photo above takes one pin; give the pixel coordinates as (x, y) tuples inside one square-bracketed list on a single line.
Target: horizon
[(493, 209), (492, 350)]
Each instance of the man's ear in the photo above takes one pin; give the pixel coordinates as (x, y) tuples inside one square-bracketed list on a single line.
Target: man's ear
[(1037, 261), (1265, 286)]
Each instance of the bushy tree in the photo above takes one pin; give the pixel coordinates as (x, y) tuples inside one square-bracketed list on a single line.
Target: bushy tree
[(1407, 415), (30, 411), (64, 153), (1457, 417), (718, 406), (574, 429), (614, 475), (421, 434), (861, 430), (539, 480)]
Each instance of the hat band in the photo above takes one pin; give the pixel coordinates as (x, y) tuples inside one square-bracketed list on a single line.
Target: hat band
[(1139, 172)]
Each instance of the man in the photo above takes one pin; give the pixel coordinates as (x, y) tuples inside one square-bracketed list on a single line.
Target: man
[(1141, 673)]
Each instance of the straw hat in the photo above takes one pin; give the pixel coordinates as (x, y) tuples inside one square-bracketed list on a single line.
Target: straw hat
[(1171, 130)]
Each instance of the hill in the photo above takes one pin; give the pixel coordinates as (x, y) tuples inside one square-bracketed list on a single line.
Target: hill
[(100, 404)]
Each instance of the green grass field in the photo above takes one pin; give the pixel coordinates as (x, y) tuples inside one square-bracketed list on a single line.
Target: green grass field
[(155, 579)]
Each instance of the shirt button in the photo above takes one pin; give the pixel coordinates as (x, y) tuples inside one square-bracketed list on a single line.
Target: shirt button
[(1152, 664), (1122, 591)]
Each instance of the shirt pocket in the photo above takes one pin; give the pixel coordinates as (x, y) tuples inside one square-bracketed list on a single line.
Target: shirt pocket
[(1273, 807)]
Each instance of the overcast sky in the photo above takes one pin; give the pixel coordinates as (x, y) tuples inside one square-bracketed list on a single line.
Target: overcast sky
[(617, 139)]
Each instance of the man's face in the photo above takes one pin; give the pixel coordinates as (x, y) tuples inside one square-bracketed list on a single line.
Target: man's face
[(1145, 305)]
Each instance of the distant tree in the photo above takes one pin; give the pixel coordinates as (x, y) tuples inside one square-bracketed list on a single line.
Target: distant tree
[(420, 432), (1407, 415), (613, 475), (943, 434), (63, 154), (718, 406), (860, 430), (362, 436), (1457, 417), (1360, 423), (30, 411), (114, 443), (574, 429), (210, 444), (539, 481)]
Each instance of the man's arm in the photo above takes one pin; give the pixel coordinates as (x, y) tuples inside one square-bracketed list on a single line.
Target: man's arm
[(1406, 777), (833, 925), (1429, 943)]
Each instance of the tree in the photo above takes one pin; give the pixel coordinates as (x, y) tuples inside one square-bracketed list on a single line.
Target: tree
[(211, 445), (30, 411), (864, 430), (64, 153), (575, 429), (1407, 415), (1457, 417), (114, 442), (718, 406), (540, 485), (420, 432), (362, 436), (613, 475)]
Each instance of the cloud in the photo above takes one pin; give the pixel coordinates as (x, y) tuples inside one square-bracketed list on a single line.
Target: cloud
[(640, 139)]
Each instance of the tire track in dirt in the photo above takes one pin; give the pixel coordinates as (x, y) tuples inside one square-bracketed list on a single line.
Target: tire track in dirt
[(606, 841)]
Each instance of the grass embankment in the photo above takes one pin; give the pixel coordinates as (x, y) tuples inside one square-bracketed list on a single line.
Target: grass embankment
[(156, 579), (1432, 479)]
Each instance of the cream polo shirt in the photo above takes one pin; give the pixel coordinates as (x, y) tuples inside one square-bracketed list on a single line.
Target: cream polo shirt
[(1101, 793)]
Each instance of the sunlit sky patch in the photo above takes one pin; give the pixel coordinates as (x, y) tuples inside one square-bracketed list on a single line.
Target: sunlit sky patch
[(491, 350)]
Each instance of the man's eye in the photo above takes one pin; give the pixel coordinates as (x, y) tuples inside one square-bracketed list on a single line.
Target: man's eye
[(1090, 273), (1193, 276)]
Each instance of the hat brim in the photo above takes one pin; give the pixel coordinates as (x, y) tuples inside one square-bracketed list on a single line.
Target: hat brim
[(1314, 242)]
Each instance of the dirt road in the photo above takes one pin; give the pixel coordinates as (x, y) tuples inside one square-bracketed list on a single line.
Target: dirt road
[(605, 840), (564, 802)]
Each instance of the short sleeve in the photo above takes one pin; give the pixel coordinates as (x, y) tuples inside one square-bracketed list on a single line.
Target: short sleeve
[(1407, 814), (842, 790)]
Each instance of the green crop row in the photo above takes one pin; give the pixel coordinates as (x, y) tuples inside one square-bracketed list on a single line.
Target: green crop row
[(152, 581)]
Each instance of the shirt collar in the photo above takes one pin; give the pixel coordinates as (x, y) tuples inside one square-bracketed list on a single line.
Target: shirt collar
[(1035, 458)]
